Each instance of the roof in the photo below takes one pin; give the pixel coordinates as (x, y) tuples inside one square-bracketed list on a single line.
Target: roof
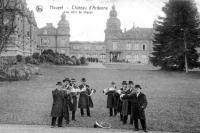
[(138, 34), (49, 29)]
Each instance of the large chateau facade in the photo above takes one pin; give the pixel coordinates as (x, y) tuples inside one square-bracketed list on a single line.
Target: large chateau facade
[(133, 46), (24, 40)]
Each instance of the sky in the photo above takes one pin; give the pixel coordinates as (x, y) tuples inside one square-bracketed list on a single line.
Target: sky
[(89, 24)]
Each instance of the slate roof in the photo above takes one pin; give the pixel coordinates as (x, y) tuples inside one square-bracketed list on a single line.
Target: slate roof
[(138, 34)]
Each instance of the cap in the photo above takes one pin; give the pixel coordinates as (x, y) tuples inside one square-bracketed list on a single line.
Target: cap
[(83, 79), (138, 86), (124, 83), (113, 83), (59, 83), (67, 79), (130, 82)]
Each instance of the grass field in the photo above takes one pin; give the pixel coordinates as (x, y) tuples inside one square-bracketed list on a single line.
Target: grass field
[(173, 98)]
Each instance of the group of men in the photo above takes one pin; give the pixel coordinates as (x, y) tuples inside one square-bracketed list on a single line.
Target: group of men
[(127, 101), (65, 99)]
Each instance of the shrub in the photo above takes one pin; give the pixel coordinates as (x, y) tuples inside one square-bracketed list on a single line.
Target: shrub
[(50, 58), (6, 63), (83, 60), (19, 58), (36, 56), (18, 73), (78, 62), (48, 52), (27, 59), (34, 61), (42, 58), (73, 60)]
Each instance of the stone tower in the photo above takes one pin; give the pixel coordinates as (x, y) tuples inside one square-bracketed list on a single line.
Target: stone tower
[(63, 36), (113, 33), (113, 26)]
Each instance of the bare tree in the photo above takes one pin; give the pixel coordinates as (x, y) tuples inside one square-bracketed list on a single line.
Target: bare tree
[(9, 9)]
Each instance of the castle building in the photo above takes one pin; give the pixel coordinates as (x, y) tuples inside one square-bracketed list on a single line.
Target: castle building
[(56, 39), (24, 40), (132, 46)]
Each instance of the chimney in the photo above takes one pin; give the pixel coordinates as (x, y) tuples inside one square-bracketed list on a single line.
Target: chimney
[(124, 29)]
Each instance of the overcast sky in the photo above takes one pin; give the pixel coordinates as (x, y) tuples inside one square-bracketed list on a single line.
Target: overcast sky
[(90, 27)]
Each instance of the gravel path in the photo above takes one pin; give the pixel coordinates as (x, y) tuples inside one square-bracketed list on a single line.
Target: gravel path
[(4, 128)]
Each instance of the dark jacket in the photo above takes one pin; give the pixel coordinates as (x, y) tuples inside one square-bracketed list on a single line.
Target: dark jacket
[(67, 104), (111, 99), (126, 106), (74, 100), (57, 107), (119, 102), (85, 101), (139, 105)]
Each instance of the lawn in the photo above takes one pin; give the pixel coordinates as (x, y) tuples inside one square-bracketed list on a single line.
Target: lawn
[(173, 98)]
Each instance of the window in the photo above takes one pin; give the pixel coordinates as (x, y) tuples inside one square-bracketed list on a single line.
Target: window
[(115, 46), (45, 41), (128, 56), (87, 47), (144, 59), (62, 42), (75, 47), (144, 47), (136, 46), (136, 58), (45, 32), (99, 47), (62, 51), (128, 46)]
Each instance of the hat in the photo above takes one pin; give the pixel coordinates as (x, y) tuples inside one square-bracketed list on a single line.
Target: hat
[(66, 79), (124, 83), (73, 80), (130, 82), (113, 83), (59, 83), (83, 79), (138, 86)]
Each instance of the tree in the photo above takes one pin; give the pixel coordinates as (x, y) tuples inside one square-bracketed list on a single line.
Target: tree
[(9, 9), (176, 36)]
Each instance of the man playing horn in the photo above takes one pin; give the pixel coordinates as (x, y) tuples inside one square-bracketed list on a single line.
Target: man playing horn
[(85, 101), (67, 99), (74, 89), (111, 98)]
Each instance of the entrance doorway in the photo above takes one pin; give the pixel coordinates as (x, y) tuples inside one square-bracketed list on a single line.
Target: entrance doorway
[(115, 56)]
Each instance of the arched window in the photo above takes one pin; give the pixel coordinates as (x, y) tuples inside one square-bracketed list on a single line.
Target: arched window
[(143, 47)]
